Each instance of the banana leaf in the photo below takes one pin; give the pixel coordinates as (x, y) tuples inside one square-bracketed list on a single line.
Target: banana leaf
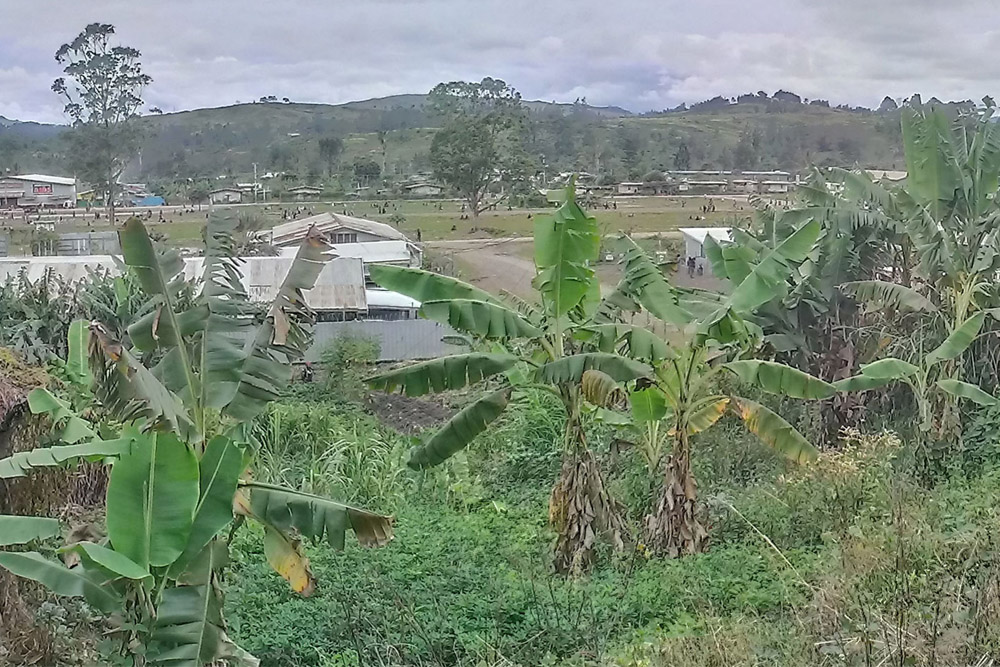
[(460, 430)]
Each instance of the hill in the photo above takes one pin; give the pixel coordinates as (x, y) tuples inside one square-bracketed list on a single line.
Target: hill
[(228, 141)]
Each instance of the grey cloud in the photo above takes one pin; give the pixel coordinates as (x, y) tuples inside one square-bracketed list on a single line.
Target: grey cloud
[(640, 54)]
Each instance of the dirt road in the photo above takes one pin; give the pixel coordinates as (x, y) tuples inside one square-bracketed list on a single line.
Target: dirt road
[(491, 264)]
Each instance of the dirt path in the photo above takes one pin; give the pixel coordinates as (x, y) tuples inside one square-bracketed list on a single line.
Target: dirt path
[(505, 264), (492, 265)]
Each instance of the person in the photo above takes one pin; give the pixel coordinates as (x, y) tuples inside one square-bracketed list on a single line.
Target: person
[(307, 372), (418, 235), (690, 265)]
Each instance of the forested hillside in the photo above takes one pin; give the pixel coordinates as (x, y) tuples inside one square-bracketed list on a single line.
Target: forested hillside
[(759, 134)]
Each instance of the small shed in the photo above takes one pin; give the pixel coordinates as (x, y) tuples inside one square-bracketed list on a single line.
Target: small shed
[(423, 190), (303, 192), (225, 196), (630, 188), (694, 239)]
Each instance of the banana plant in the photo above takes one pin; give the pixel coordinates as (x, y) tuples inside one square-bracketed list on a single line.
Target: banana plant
[(552, 345), (948, 248), (175, 436), (929, 378), (684, 396)]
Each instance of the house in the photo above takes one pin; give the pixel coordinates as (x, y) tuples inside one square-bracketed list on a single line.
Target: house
[(373, 242), (303, 192), (694, 242), (886, 175), (630, 188), (340, 229), (225, 196), (423, 190), (390, 306), (37, 191)]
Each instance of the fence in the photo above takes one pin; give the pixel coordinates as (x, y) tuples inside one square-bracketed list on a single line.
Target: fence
[(399, 340)]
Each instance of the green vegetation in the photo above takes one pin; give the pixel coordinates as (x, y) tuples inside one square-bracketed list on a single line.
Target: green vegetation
[(857, 537), (176, 435)]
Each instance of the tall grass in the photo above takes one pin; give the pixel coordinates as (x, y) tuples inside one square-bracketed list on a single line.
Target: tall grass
[(330, 451)]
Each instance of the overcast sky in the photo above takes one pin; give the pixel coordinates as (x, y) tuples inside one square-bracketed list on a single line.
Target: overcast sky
[(639, 54)]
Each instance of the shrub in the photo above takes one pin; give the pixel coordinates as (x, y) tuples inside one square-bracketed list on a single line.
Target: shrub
[(345, 361)]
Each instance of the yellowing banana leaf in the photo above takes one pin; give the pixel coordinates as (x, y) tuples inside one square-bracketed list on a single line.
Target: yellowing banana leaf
[(315, 517), (774, 431), (285, 555), (600, 389), (705, 413)]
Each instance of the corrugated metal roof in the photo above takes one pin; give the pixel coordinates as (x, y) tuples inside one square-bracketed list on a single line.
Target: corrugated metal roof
[(720, 234), (381, 298), (295, 231), (340, 286), (42, 178), (372, 252)]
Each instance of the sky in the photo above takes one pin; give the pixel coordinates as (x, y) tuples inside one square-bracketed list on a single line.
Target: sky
[(638, 54)]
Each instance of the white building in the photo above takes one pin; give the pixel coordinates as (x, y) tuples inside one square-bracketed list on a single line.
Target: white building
[(37, 191), (423, 190), (226, 196), (694, 241), (373, 242)]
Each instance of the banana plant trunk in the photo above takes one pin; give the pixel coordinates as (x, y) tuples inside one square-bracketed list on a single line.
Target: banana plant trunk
[(580, 508), (673, 528)]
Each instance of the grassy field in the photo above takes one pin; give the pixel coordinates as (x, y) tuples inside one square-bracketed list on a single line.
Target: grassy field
[(435, 220)]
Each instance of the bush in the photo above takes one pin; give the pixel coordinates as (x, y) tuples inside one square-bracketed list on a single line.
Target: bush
[(345, 362)]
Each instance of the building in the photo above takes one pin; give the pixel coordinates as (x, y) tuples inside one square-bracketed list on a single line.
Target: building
[(225, 196), (303, 192), (694, 242), (886, 175), (37, 191), (423, 190), (339, 228), (630, 188)]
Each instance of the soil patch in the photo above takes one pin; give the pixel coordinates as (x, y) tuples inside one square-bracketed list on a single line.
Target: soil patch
[(407, 415)]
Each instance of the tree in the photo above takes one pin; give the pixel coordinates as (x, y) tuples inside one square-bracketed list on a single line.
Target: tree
[(102, 87), (533, 348), (474, 150), (330, 149), (197, 194), (366, 169), (747, 154), (682, 158), (177, 436)]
